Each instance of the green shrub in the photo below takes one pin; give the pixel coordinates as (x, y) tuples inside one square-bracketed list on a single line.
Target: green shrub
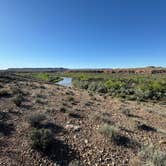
[(43, 87), (80, 84), (41, 76), (152, 157), (69, 93), (3, 115), (102, 116), (83, 84), (70, 98), (153, 90), (54, 79), (4, 92), (75, 163), (18, 99), (128, 86), (39, 100), (16, 91), (101, 88), (83, 78), (63, 109), (109, 131), (126, 112), (36, 119), (91, 94), (41, 139), (39, 95), (92, 86), (114, 84), (112, 133)]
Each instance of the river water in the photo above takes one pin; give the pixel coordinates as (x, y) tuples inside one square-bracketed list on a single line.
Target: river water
[(67, 81)]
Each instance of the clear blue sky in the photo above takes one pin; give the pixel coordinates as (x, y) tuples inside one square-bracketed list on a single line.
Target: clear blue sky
[(82, 33)]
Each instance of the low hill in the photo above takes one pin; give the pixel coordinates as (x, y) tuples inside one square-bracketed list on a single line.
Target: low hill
[(36, 69)]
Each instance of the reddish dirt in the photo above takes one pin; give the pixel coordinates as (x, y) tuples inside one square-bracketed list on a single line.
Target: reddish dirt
[(148, 70)]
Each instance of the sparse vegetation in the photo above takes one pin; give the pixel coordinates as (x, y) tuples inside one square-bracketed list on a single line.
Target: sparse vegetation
[(18, 99), (36, 119), (96, 129), (41, 139), (71, 99), (69, 93), (102, 116), (4, 92), (63, 109), (109, 131), (39, 100), (44, 77), (113, 134), (88, 103), (16, 90), (3, 115), (131, 87), (39, 95), (74, 115), (126, 112), (150, 156)]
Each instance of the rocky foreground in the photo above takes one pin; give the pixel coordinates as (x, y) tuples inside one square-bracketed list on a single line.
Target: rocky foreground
[(78, 120)]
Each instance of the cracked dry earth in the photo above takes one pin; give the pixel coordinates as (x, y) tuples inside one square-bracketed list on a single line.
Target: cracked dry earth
[(76, 130)]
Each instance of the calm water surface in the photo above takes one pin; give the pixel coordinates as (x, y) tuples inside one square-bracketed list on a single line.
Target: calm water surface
[(67, 81)]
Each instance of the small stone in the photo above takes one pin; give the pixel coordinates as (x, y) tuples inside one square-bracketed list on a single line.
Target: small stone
[(86, 141), (162, 142), (75, 136), (72, 127)]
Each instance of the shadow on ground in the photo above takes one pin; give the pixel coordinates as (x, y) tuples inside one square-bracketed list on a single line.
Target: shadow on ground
[(6, 129), (53, 127), (75, 115), (146, 128), (121, 140), (61, 153)]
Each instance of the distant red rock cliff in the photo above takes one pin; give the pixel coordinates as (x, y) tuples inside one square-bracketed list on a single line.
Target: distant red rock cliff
[(148, 70)]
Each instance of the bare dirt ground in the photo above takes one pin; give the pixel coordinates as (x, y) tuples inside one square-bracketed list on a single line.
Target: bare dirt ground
[(75, 117)]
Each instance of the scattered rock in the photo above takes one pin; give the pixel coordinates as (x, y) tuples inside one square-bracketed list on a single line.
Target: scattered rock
[(72, 127)]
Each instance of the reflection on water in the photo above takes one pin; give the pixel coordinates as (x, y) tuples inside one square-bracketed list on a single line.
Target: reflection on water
[(67, 81)]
